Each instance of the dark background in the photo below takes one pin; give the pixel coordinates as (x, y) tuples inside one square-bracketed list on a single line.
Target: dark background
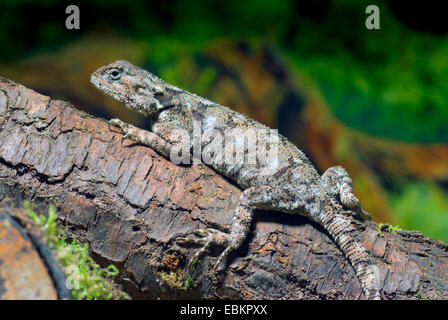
[(345, 94)]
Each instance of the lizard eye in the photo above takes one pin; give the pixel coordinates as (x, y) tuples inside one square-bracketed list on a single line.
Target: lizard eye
[(115, 74)]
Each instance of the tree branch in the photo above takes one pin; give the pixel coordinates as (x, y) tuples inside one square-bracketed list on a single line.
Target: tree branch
[(130, 204)]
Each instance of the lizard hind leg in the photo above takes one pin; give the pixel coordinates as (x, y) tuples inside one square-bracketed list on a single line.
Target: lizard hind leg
[(263, 197), (338, 179)]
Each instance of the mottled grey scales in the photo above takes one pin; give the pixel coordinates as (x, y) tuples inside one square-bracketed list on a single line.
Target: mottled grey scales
[(295, 187)]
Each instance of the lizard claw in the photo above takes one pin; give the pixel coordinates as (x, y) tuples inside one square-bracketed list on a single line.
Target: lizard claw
[(222, 257), (206, 238), (117, 123), (201, 233), (365, 215), (124, 127)]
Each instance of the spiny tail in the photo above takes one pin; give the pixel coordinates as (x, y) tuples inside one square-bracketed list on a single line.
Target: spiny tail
[(346, 237)]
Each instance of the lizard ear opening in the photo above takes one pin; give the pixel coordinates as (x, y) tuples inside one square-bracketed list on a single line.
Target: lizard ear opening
[(140, 90)]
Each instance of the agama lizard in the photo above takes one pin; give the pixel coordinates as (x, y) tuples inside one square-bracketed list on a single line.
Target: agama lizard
[(295, 186)]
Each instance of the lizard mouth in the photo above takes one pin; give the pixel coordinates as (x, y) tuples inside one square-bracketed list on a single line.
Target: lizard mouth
[(104, 87)]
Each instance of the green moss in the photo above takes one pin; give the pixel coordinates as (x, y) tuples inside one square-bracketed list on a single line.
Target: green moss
[(388, 227), (88, 280), (189, 279), (420, 297)]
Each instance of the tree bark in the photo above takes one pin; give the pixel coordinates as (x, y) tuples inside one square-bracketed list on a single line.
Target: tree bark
[(130, 204)]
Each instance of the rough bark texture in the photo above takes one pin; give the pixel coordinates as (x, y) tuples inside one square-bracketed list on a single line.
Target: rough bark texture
[(130, 204)]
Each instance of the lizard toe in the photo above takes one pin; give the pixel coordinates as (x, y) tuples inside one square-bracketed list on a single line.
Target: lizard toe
[(116, 122)]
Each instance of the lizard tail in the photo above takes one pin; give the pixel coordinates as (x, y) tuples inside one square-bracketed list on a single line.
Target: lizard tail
[(340, 228)]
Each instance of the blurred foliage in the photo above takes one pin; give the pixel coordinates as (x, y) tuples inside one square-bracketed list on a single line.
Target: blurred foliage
[(389, 82), (422, 206), (172, 61)]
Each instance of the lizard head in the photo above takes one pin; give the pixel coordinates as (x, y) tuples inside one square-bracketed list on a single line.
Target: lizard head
[(136, 88)]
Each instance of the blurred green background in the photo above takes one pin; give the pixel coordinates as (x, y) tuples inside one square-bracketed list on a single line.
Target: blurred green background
[(278, 61)]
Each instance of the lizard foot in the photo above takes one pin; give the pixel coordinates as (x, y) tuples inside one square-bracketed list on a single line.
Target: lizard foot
[(206, 238), (124, 127), (349, 200), (143, 137), (118, 123), (362, 214)]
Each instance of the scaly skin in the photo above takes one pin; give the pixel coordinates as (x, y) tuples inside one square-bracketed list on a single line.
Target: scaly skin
[(294, 186)]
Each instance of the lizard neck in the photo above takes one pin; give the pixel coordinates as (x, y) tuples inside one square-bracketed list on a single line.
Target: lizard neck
[(170, 98), (173, 96)]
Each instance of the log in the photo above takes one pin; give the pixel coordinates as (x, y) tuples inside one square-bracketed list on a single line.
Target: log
[(130, 204), (28, 268)]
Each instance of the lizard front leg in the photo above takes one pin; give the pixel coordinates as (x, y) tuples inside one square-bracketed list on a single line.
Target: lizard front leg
[(262, 197), (337, 178), (152, 140)]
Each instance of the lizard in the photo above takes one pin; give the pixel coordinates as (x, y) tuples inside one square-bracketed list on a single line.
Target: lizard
[(295, 187)]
